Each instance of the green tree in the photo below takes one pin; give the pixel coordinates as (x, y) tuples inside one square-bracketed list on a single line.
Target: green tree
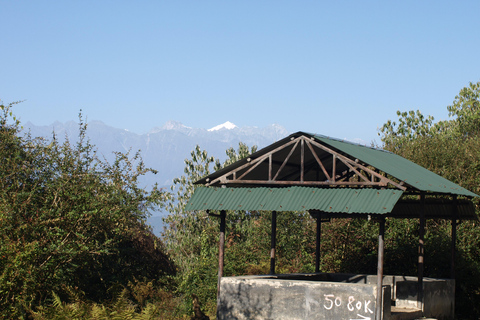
[(192, 237), (466, 111), (451, 149), (413, 125), (189, 237), (69, 221)]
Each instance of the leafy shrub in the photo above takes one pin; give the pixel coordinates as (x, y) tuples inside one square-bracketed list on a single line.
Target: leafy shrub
[(70, 220)]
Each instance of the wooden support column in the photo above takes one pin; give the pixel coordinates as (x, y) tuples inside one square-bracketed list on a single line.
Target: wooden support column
[(221, 248), (317, 242), (381, 244), (273, 242), (421, 252), (454, 236)]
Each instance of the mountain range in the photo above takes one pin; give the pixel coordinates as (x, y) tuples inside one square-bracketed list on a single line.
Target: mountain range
[(163, 148)]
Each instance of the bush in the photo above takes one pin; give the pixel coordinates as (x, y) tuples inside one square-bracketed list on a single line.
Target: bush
[(70, 221)]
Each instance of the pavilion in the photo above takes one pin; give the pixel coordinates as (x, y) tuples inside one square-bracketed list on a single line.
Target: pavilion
[(331, 178)]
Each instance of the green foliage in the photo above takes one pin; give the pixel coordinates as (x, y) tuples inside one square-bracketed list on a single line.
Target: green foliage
[(452, 150), (139, 301), (70, 220), (191, 238), (349, 246), (413, 125), (466, 111)]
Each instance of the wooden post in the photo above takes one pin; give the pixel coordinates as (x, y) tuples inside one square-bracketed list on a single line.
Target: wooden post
[(381, 244), (221, 249), (421, 252), (317, 243), (302, 160), (273, 242), (454, 236)]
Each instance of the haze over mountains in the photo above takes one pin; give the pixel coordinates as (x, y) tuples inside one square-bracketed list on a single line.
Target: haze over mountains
[(163, 148)]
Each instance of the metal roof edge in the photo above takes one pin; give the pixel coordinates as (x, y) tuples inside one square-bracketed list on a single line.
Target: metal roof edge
[(462, 191), (295, 198)]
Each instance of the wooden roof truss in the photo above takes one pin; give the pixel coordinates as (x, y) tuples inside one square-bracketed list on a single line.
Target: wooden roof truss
[(302, 161)]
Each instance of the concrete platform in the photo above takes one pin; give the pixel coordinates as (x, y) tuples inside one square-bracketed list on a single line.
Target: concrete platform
[(405, 313), (332, 296), (256, 298)]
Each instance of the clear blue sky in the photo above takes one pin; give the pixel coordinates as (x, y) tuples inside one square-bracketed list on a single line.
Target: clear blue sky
[(338, 68)]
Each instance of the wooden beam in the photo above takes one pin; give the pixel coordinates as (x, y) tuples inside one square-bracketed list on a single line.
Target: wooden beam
[(334, 168), (454, 237), (304, 183), (354, 170), (302, 159), (295, 176), (317, 243), (221, 250), (273, 242), (224, 176), (250, 169), (344, 158), (269, 167), (332, 179), (421, 252), (347, 174), (285, 161), (381, 258), (318, 160)]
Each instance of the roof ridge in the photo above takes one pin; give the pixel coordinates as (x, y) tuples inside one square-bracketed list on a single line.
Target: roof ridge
[(347, 141)]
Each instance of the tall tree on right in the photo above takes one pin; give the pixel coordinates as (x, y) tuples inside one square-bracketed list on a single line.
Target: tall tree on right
[(450, 148)]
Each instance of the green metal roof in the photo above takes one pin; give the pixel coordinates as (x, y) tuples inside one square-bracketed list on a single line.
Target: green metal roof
[(398, 167), (338, 200), (415, 177)]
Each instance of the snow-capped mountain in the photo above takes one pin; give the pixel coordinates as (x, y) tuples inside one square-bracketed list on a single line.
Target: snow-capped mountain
[(227, 125)]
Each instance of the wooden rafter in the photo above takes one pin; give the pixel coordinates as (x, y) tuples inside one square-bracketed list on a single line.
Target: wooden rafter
[(249, 170), (223, 178), (366, 176), (319, 161), (383, 180), (285, 161)]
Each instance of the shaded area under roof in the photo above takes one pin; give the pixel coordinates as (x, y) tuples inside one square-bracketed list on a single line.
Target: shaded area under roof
[(435, 209), (339, 200)]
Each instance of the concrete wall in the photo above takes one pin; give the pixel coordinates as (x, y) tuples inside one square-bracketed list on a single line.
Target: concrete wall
[(329, 296), (261, 298), (439, 298)]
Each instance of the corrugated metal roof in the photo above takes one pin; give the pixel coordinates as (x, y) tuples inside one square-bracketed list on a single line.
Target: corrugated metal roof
[(400, 168), (340, 200), (412, 174)]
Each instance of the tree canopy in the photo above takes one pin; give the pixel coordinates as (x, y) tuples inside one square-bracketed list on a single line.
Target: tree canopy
[(70, 221), (450, 148)]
